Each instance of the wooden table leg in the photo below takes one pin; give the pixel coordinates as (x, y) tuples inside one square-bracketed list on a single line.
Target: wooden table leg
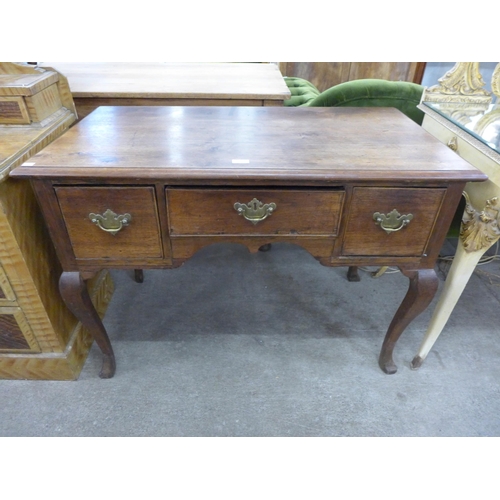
[(352, 274), (139, 275), (76, 297), (422, 288)]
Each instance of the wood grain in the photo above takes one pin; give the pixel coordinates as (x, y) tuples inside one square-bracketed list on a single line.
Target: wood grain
[(44, 103), (26, 84), (20, 143), (174, 80), (172, 84), (281, 145)]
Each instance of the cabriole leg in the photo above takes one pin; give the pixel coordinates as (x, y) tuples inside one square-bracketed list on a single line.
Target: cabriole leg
[(76, 297), (422, 288)]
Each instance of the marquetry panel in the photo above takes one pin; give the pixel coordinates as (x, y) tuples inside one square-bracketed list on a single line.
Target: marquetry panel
[(7, 295), (28, 258), (15, 333), (11, 335), (13, 110)]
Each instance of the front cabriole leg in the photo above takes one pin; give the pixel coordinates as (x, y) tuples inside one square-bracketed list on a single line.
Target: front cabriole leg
[(76, 297), (422, 288)]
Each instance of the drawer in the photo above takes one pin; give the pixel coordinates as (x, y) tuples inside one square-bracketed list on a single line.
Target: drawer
[(254, 212), (364, 236), (97, 226)]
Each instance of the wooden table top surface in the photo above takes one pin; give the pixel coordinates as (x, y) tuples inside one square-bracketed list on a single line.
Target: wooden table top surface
[(272, 144), (173, 80)]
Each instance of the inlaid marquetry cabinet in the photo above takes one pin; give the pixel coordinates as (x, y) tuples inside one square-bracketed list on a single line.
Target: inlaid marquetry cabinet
[(39, 337)]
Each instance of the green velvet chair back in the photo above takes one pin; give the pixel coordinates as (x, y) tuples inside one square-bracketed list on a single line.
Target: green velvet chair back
[(404, 96), (302, 91)]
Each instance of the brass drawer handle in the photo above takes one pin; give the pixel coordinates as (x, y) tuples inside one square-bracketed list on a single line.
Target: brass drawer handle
[(452, 144), (393, 221), (110, 222), (255, 211)]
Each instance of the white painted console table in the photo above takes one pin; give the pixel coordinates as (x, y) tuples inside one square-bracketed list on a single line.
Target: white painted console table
[(470, 125)]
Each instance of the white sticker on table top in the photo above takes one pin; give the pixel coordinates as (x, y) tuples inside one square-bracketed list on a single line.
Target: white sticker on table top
[(28, 164), (240, 161)]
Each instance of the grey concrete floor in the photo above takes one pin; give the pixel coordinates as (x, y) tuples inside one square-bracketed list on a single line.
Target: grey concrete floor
[(272, 344)]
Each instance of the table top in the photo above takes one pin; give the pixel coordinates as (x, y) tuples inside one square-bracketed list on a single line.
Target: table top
[(482, 121), (272, 145), (174, 80)]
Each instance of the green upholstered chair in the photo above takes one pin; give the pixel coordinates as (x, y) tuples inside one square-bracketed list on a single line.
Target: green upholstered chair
[(404, 96), (301, 90)]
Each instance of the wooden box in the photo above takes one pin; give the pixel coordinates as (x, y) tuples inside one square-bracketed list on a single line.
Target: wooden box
[(31, 98)]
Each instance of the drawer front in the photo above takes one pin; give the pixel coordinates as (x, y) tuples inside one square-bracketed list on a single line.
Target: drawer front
[(364, 236), (258, 212), (89, 211)]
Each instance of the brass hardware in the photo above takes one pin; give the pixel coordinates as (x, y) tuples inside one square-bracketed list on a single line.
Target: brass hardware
[(393, 221), (110, 222), (452, 144), (255, 211)]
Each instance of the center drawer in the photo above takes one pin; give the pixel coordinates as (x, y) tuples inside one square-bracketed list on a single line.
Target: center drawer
[(253, 212)]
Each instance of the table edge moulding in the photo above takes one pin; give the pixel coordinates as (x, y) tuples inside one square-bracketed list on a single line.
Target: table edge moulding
[(147, 187)]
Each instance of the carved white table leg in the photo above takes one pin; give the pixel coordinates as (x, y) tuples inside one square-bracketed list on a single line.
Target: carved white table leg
[(460, 272), (479, 231)]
